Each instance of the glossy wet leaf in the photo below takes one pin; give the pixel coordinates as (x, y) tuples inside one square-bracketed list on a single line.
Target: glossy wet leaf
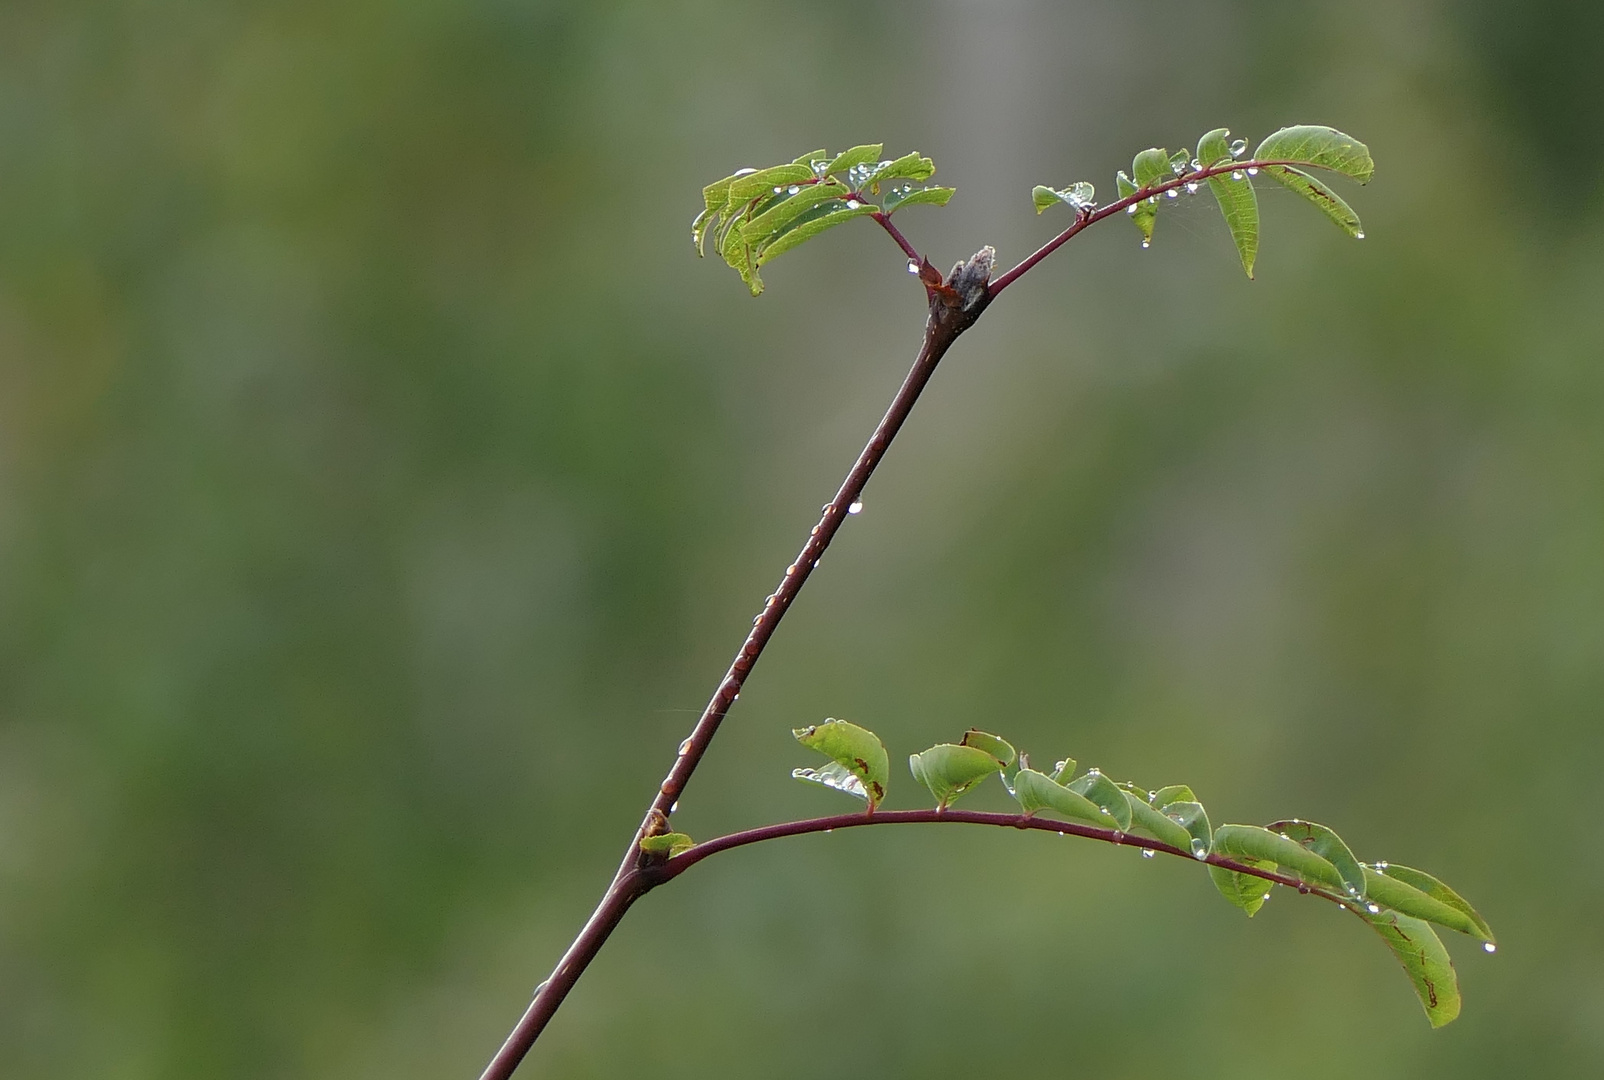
[(808, 227), (1190, 816), (836, 776), (950, 771), (914, 166), (1244, 890), (1064, 770), (1151, 167), (934, 196), (1397, 894), (666, 845), (1147, 818), (1320, 146), (858, 155), (1424, 960), (855, 749), (1107, 795), (756, 185), (786, 211), (1329, 202), (1253, 841), (1240, 206), (1329, 846), (1438, 891), (1078, 195), (1037, 791), (1213, 149)]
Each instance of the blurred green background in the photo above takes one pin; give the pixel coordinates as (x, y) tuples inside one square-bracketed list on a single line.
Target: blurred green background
[(384, 486)]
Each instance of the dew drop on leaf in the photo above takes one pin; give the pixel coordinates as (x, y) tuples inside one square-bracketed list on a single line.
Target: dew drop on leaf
[(1488, 947)]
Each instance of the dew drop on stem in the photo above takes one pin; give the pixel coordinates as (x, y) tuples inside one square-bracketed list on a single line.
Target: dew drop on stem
[(1147, 853), (856, 507), (913, 266)]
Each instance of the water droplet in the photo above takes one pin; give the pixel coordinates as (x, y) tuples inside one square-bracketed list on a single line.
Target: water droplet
[(1239, 147), (856, 507), (1382, 865), (818, 167), (756, 619), (827, 832), (1253, 171), (1488, 947), (1236, 174), (778, 190), (1102, 809), (1266, 896), (853, 204), (913, 267), (1200, 850), (1360, 235), (1147, 243), (1147, 853), (543, 984), (1131, 209), (743, 172), (1172, 194), (674, 808), (1374, 909), (1118, 837), (1191, 188), (792, 190), (684, 748), (1152, 200)]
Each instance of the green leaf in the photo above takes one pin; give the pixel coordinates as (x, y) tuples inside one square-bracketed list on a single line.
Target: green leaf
[(1328, 201), (998, 748), (1107, 795), (1173, 794), (736, 252), (807, 227), (666, 845), (1189, 815), (1424, 960), (855, 749), (914, 166), (1079, 195), (1064, 770), (1142, 214), (950, 771), (1145, 817), (1151, 167), (761, 182), (1321, 147), (1244, 890), (936, 196), (811, 156), (858, 155), (1438, 891), (1387, 891), (834, 775), (1252, 841), (1330, 847), (1037, 791), (780, 216), (699, 230), (1234, 193), (1213, 149)]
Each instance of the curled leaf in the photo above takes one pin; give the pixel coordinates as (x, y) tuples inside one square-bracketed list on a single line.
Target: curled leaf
[(1252, 841), (1438, 891), (1243, 890), (1116, 809), (854, 749), (1384, 890), (1320, 146), (666, 845), (1330, 847), (1037, 791), (950, 771), (1327, 201)]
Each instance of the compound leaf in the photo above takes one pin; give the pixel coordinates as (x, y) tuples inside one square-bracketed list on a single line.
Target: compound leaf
[(1328, 201), (856, 749), (1330, 847), (950, 771), (1424, 960), (1319, 146)]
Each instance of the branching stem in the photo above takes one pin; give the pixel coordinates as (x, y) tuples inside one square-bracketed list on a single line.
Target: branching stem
[(632, 879)]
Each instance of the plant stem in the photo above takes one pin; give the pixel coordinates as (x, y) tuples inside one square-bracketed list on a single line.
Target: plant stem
[(676, 866), (942, 328)]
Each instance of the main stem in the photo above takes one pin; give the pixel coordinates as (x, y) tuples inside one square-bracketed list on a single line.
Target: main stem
[(629, 883)]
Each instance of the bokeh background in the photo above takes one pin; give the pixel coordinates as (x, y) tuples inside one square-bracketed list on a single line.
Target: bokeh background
[(384, 486)]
